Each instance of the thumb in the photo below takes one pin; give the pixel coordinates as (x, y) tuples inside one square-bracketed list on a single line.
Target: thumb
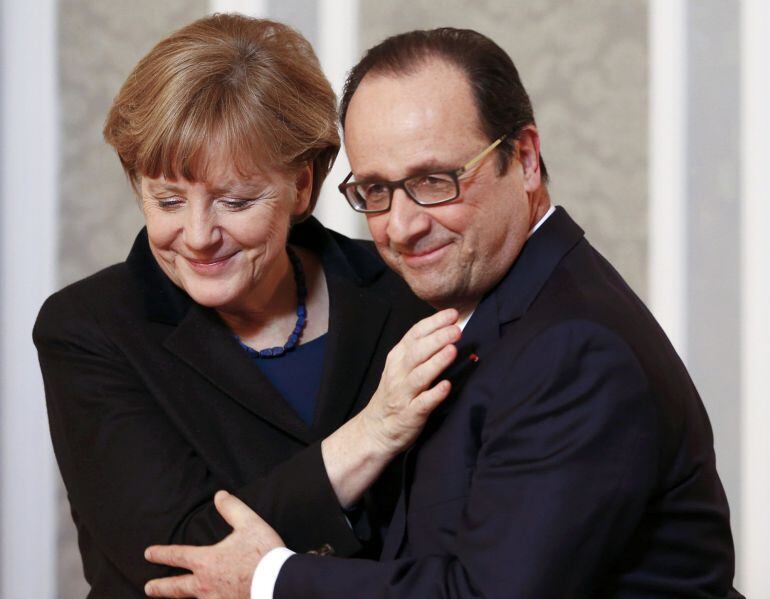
[(236, 513)]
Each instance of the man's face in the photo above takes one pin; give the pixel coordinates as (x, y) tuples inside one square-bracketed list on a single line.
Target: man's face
[(397, 126)]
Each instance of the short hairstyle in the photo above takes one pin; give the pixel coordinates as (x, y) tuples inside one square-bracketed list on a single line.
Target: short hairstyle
[(252, 87), (502, 102)]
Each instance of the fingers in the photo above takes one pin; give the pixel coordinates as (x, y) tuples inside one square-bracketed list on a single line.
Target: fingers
[(429, 400), (420, 350), (424, 339), (430, 324), (427, 372), (179, 556), (236, 513), (173, 586)]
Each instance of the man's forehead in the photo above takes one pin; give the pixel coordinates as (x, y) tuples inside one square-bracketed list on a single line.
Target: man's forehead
[(405, 123), (412, 85)]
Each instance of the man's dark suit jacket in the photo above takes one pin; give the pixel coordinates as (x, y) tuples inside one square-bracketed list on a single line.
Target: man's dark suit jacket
[(573, 459), (154, 406)]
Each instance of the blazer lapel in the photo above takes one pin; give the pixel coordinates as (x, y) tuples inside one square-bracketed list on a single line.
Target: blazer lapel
[(203, 342), (356, 319)]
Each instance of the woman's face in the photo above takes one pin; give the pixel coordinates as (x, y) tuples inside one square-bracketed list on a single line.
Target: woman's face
[(222, 240)]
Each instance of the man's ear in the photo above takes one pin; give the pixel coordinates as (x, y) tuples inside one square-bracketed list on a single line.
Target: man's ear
[(528, 146), (303, 182)]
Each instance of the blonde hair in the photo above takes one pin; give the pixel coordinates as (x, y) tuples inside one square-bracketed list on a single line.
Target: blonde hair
[(252, 87)]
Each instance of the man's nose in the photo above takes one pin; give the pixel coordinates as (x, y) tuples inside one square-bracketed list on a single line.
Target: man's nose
[(201, 230), (407, 221)]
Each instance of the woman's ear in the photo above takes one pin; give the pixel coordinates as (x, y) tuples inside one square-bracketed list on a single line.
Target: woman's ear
[(303, 182)]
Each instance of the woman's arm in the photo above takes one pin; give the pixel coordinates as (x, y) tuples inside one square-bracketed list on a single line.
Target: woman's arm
[(357, 452), (132, 475)]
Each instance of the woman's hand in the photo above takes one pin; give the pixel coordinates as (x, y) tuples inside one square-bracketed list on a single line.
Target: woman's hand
[(404, 399), (357, 452)]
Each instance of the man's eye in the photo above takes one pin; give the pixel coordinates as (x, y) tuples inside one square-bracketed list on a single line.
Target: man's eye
[(432, 181), (374, 190)]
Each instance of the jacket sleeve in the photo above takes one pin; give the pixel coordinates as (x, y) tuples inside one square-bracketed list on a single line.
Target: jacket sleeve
[(567, 460), (134, 480)]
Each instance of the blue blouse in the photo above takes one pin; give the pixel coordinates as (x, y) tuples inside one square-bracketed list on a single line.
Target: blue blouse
[(296, 375)]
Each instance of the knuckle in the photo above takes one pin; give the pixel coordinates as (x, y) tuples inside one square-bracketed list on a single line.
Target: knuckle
[(417, 379), (393, 355)]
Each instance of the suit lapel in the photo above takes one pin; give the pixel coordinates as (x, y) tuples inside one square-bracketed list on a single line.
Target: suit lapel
[(206, 345), (356, 319)]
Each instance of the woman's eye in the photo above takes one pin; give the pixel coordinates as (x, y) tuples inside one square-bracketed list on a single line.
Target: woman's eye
[(169, 203), (236, 204)]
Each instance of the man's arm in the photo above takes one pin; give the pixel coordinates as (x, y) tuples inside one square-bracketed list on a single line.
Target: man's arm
[(251, 539), (566, 462)]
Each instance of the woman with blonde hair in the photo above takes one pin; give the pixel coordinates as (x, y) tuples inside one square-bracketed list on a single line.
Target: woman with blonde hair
[(238, 345)]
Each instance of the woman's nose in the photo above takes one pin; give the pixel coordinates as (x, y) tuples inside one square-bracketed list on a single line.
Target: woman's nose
[(201, 230)]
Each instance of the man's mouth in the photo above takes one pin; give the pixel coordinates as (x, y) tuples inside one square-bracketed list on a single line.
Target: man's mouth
[(427, 257)]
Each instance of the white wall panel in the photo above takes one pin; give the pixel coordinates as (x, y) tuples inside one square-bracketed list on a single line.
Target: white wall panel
[(667, 145), (28, 192), (754, 561), (338, 52)]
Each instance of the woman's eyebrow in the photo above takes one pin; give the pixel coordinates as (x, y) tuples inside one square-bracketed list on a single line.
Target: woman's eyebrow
[(168, 186)]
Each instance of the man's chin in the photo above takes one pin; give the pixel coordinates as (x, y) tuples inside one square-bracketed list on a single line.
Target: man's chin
[(437, 293)]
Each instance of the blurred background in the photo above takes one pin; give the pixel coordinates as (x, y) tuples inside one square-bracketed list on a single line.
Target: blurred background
[(654, 123)]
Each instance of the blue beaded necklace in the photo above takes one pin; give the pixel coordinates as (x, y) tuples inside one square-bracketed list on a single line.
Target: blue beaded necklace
[(293, 340)]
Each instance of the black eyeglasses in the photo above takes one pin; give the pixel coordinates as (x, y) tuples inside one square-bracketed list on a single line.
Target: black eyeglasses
[(428, 189)]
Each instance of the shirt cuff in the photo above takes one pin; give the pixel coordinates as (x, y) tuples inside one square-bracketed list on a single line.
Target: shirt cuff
[(267, 571)]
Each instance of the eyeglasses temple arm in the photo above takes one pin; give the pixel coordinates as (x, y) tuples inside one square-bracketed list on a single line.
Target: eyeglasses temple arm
[(489, 148)]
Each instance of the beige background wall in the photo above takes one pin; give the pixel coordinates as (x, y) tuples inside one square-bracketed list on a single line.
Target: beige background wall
[(99, 43)]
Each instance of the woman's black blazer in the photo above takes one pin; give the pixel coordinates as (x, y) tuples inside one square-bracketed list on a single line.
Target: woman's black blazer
[(154, 406)]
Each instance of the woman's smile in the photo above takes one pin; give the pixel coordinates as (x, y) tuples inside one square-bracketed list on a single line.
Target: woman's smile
[(210, 266)]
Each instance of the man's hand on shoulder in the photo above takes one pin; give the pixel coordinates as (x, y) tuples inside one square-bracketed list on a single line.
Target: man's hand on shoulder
[(218, 571)]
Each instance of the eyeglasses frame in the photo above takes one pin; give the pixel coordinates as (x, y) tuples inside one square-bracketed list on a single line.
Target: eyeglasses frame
[(394, 185)]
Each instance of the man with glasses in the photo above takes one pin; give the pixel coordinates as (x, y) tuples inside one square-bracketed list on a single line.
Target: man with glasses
[(573, 457)]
